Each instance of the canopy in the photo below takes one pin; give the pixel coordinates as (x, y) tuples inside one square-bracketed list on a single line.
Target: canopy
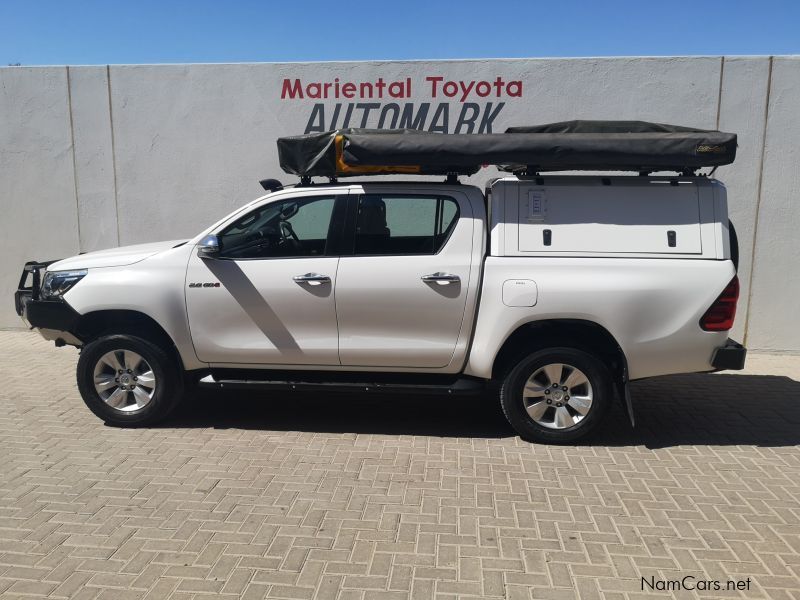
[(566, 146)]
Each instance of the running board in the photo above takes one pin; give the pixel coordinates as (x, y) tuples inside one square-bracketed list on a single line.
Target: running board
[(461, 386)]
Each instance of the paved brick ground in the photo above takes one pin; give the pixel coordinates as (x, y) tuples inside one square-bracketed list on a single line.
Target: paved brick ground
[(325, 497)]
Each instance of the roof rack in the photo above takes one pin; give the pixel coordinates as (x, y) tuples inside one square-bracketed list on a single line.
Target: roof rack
[(636, 146)]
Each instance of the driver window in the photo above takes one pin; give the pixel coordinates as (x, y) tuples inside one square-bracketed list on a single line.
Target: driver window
[(289, 228)]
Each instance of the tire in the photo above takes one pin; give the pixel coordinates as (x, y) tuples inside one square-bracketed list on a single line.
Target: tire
[(549, 414), (157, 389)]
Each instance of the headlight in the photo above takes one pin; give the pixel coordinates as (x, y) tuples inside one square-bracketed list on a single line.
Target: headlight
[(58, 283)]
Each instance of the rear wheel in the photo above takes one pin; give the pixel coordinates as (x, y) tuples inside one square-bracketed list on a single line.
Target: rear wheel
[(557, 395), (128, 381)]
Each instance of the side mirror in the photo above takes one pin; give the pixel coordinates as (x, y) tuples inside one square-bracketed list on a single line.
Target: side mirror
[(208, 247)]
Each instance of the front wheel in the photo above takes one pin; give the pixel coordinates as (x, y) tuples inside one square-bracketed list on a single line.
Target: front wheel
[(557, 395), (128, 381)]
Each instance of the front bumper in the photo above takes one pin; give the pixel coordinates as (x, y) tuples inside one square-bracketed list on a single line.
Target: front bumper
[(26, 290), (48, 314), (729, 357), (52, 316)]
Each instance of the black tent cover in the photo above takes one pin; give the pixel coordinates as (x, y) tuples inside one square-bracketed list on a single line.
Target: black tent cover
[(565, 146)]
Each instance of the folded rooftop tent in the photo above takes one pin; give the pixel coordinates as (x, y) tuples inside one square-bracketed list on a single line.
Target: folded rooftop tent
[(566, 146)]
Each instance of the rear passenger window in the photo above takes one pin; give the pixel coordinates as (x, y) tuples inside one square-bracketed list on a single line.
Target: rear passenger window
[(404, 224)]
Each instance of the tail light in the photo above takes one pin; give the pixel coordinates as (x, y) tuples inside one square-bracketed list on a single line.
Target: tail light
[(720, 315)]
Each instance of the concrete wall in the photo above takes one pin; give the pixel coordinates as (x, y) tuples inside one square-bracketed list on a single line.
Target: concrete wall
[(93, 157)]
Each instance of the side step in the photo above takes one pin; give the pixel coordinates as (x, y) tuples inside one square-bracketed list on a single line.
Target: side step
[(460, 386)]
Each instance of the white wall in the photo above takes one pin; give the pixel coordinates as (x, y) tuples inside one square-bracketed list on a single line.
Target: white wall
[(92, 157)]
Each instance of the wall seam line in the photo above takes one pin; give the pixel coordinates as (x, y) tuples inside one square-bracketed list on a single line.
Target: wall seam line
[(113, 150), (74, 160), (719, 94), (758, 206)]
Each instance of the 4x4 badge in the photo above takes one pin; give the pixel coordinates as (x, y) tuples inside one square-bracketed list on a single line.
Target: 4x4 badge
[(205, 285)]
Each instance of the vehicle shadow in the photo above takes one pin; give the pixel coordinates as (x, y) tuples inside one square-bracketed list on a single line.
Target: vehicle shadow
[(705, 409), (697, 409), (337, 412)]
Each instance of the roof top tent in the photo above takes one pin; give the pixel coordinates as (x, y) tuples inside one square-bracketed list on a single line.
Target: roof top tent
[(636, 146)]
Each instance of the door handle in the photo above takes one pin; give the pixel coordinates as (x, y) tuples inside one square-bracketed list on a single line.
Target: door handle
[(311, 278), (440, 277)]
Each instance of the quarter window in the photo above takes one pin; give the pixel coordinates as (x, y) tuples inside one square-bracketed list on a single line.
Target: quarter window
[(403, 224)]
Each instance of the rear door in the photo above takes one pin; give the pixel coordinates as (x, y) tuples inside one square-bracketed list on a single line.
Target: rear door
[(402, 291)]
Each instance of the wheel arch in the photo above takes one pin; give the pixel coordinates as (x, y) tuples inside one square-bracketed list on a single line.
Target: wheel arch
[(573, 333), (94, 324)]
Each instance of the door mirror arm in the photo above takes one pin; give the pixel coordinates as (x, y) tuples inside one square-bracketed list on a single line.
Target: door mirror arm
[(208, 247)]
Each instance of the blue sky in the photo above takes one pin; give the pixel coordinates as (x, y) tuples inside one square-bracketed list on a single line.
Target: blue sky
[(35, 32)]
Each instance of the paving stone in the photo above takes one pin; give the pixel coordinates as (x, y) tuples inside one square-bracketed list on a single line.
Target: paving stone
[(241, 496)]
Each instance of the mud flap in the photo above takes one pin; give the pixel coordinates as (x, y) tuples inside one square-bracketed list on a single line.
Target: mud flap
[(624, 395), (628, 403)]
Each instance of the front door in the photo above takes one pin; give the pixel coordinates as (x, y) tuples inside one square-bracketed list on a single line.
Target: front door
[(401, 295), (268, 296)]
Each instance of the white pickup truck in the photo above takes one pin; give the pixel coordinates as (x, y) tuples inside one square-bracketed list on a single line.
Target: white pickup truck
[(567, 289)]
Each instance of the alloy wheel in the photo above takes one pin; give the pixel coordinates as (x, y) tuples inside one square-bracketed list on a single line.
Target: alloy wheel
[(557, 396), (124, 380)]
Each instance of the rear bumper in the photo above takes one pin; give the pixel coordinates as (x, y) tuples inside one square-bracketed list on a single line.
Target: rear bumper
[(730, 357)]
